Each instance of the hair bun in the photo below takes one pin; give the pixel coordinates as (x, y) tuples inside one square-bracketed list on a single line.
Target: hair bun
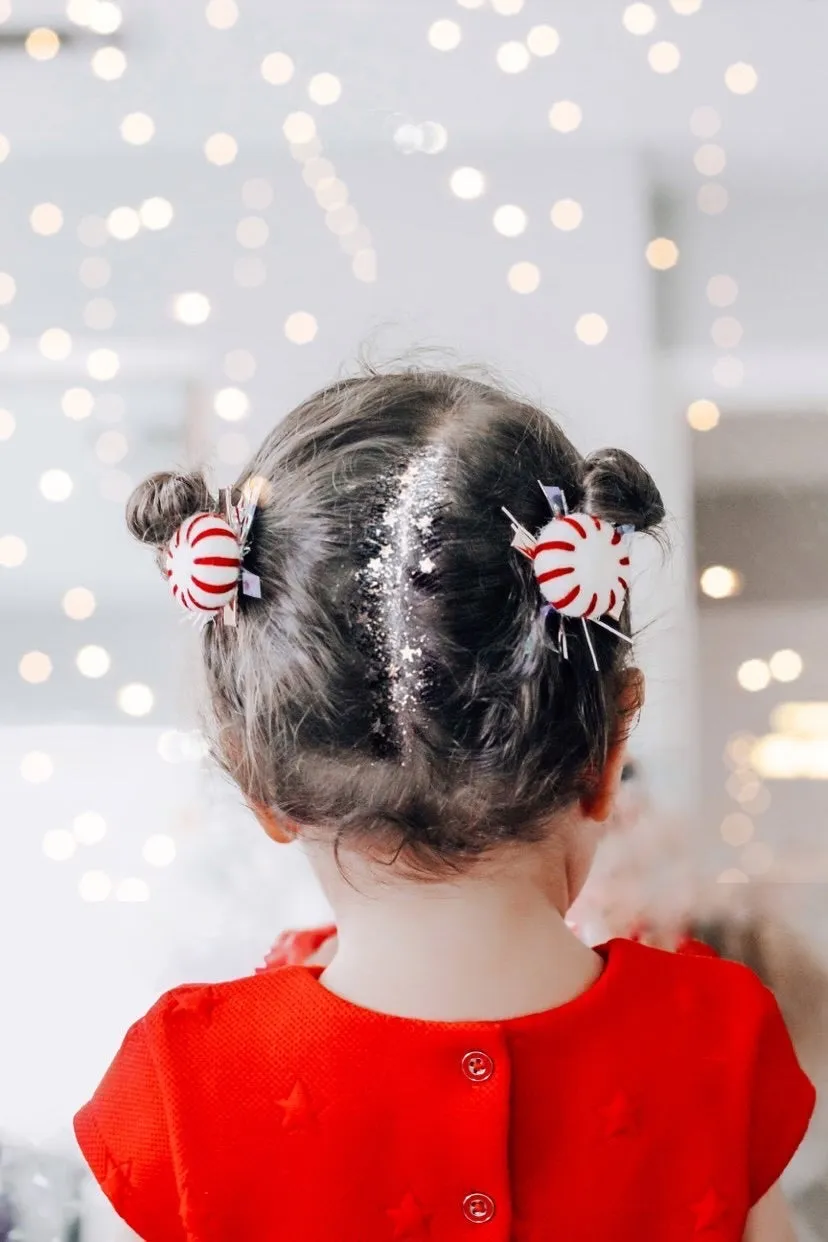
[(159, 505), (618, 489)]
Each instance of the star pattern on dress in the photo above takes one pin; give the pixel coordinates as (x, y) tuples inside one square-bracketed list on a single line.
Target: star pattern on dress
[(620, 1116), (410, 1219), (297, 1110), (710, 1210), (199, 1002), (115, 1174)]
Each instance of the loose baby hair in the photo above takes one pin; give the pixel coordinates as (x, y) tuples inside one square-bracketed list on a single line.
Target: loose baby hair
[(395, 684)]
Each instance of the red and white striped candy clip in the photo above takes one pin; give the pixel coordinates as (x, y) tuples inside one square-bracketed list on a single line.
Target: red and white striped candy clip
[(203, 564), (581, 565)]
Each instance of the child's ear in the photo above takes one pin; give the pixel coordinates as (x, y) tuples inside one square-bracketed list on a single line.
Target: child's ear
[(599, 802), (277, 826)]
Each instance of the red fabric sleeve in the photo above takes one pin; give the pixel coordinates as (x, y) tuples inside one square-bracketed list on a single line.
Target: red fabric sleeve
[(123, 1135), (783, 1101)]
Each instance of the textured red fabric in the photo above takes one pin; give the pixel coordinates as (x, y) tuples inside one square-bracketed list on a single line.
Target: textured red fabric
[(656, 1107)]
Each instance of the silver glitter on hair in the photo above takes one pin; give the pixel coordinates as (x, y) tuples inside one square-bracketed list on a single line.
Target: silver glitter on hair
[(399, 537)]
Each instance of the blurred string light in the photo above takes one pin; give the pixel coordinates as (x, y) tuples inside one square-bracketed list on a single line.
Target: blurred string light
[(93, 662), (89, 828), (565, 116), (786, 665), (231, 404), (712, 199), (95, 273), (55, 344), (324, 88), (722, 290), (427, 138), (137, 128), (664, 57), (753, 675), (109, 64), (686, 7), (741, 78), (509, 220), (13, 551), (37, 767), (159, 850), (7, 424), (77, 403), (524, 277), (507, 8), (444, 35), (78, 603), (132, 889), (80, 11), (46, 219), (221, 149), (59, 844), (252, 232), (566, 214), (543, 40), (639, 19), (720, 582), (94, 886), (467, 183), (111, 447), (43, 43), (35, 667), (222, 14), (471, 4), (300, 327), (277, 68), (103, 364), (513, 57), (331, 193), (710, 159), (726, 332), (99, 314), (737, 828), (191, 308), (703, 415), (136, 699), (705, 122), (591, 329), (55, 485), (156, 213), (662, 253)]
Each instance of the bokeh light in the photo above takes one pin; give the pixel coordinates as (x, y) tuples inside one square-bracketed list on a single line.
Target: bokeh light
[(136, 699), (509, 220), (277, 68), (159, 850), (109, 63), (543, 40), (7, 424), (566, 214), (77, 403), (89, 828), (467, 183), (712, 198), (35, 667), (639, 19), (753, 675), (720, 582), (662, 254), (79, 603), (722, 290), (191, 308), (156, 213), (324, 88), (565, 116), (59, 844), (13, 551), (137, 128), (94, 886), (741, 78), (444, 35), (55, 485), (664, 57), (710, 159), (231, 404), (513, 57), (300, 327), (703, 415), (46, 219), (93, 661), (221, 149), (37, 767), (222, 14), (591, 329), (786, 665), (524, 277), (43, 43)]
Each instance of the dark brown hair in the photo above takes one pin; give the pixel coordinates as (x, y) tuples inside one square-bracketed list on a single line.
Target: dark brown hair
[(492, 732)]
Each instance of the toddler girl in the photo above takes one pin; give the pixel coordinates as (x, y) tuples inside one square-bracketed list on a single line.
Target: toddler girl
[(434, 696)]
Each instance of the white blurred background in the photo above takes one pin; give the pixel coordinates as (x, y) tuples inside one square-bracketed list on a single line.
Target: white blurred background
[(207, 210)]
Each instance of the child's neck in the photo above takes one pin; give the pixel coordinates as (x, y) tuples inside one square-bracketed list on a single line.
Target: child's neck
[(473, 949)]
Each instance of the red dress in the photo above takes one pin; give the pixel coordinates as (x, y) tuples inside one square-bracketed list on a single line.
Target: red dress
[(658, 1106)]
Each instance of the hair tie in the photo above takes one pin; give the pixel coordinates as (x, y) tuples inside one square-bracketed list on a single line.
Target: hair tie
[(581, 566), (204, 564)]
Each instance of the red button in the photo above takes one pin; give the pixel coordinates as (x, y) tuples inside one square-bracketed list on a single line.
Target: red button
[(478, 1066), (478, 1208)]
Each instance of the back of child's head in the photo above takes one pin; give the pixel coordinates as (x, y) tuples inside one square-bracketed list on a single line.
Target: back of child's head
[(396, 683)]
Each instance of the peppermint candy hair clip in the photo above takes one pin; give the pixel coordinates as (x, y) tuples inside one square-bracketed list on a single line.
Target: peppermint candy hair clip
[(205, 559), (581, 565)]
